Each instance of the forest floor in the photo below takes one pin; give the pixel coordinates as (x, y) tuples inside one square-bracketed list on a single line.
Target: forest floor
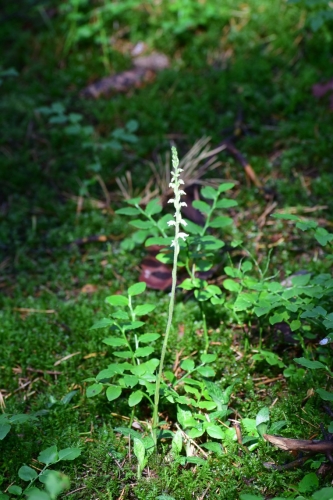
[(244, 72)]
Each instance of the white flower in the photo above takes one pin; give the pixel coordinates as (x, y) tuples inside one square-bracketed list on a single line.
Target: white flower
[(182, 221), (183, 204), (171, 223), (183, 236), (171, 201)]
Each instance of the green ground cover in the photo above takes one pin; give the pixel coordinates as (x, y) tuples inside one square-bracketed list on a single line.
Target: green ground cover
[(251, 63)]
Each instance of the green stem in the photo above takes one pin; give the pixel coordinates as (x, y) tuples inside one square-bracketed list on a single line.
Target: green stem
[(166, 338)]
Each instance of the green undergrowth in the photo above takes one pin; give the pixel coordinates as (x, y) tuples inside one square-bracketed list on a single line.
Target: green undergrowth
[(248, 65)]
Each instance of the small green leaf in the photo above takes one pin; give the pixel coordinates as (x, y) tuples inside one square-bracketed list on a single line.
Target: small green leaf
[(120, 314), (37, 494), (123, 354), (93, 390), (206, 405), (114, 341), (141, 224), (133, 325), (226, 186), (117, 300), (231, 285), (142, 352), (295, 325), (128, 211), (159, 241), (226, 203), (102, 323), (313, 365), (49, 456), (309, 483), (143, 309), (69, 453), (215, 431), (27, 473), (214, 447), (202, 206), (208, 358), (153, 207), (135, 398), (323, 494), (146, 338), (137, 288), (113, 392), (139, 452), (187, 365), (131, 380), (301, 279), (15, 490), (286, 216), (221, 222), (4, 429), (209, 193), (206, 371), (325, 395), (262, 416)]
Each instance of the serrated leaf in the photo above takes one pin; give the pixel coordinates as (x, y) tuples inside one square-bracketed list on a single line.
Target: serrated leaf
[(135, 398), (69, 453), (301, 279), (49, 456), (146, 338), (123, 354), (102, 323), (143, 309), (137, 288), (113, 392), (114, 341), (94, 390), (117, 300), (27, 473), (142, 352)]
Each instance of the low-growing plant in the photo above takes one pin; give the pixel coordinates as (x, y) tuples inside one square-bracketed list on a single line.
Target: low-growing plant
[(55, 482), (200, 402)]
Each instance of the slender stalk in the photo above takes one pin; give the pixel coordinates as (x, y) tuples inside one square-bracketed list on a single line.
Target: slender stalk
[(175, 184)]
